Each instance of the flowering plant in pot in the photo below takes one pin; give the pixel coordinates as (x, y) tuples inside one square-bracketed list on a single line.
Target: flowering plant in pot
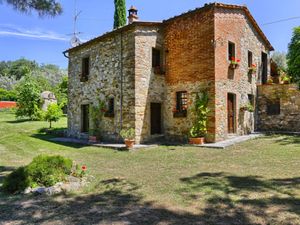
[(234, 63), (200, 110), (248, 107), (252, 69), (128, 135), (286, 79)]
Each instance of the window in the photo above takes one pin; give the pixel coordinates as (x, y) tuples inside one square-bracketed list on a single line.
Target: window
[(85, 71), (251, 99), (156, 59), (273, 107), (84, 118), (181, 104), (231, 50), (250, 59), (111, 108)]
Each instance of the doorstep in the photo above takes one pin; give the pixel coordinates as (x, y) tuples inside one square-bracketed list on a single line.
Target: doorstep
[(231, 141)]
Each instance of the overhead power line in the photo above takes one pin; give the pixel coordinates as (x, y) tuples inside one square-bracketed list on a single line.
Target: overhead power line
[(282, 20)]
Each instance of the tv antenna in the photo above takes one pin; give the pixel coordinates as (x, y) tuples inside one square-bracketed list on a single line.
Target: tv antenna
[(75, 41)]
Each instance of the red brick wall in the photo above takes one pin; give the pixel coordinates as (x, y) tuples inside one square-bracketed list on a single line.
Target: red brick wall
[(190, 62)]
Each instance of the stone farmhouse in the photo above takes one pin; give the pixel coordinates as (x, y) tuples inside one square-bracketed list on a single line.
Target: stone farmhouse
[(147, 73)]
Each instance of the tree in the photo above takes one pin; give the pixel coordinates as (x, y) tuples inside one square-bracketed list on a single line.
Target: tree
[(42, 7), (280, 59), (120, 14), (53, 113), (294, 56), (28, 99)]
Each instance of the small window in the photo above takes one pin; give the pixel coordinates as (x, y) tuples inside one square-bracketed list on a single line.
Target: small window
[(231, 50), (181, 101), (273, 107), (156, 58), (250, 59), (251, 99), (85, 69), (111, 108)]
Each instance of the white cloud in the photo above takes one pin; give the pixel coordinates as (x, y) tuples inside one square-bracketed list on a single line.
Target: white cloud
[(14, 31)]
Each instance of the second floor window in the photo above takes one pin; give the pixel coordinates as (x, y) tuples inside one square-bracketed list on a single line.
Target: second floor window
[(111, 108), (85, 71), (250, 59), (231, 50), (156, 58)]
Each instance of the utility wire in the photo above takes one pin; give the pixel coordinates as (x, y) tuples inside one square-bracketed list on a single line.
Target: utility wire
[(283, 20)]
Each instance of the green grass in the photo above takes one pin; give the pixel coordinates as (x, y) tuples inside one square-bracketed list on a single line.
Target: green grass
[(256, 182)]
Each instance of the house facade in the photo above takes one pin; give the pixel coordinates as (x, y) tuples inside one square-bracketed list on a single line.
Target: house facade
[(148, 73)]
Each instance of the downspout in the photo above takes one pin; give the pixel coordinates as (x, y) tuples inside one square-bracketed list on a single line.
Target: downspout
[(121, 86), (65, 55)]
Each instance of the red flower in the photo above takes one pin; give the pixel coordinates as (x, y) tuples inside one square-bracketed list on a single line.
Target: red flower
[(84, 168), (232, 58), (238, 60), (253, 65)]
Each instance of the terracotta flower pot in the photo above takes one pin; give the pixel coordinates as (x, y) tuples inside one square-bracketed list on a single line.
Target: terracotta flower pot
[(197, 141), (93, 139), (129, 143)]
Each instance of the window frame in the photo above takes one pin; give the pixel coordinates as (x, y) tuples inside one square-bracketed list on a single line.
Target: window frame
[(273, 107), (156, 58), (250, 58), (111, 108), (229, 54), (181, 104)]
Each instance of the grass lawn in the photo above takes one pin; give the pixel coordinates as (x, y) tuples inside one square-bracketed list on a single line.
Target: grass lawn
[(256, 182)]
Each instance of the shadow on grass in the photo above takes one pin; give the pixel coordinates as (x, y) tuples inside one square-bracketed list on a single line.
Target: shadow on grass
[(51, 138), (245, 198), (4, 170), (283, 139), (19, 121)]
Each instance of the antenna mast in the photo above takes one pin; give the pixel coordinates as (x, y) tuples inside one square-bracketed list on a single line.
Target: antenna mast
[(75, 41)]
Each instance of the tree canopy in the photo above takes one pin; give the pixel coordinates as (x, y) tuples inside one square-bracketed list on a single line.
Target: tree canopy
[(280, 59), (42, 7), (120, 14), (294, 56)]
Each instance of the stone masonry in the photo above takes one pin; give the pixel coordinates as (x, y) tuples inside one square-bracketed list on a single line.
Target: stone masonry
[(194, 48)]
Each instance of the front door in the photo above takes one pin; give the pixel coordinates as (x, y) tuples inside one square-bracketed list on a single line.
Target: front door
[(155, 118), (231, 113), (264, 73)]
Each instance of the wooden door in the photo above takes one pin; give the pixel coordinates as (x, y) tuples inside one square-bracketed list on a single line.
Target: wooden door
[(264, 62), (231, 113), (155, 118), (85, 118)]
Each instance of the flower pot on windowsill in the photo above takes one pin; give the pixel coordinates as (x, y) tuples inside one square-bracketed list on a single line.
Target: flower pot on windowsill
[(233, 66), (129, 143), (197, 141), (158, 70)]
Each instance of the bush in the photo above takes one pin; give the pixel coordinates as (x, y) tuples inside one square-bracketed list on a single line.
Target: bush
[(128, 134), (16, 181), (42, 171)]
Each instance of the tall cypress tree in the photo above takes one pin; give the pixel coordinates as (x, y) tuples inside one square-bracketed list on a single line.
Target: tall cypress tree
[(120, 14)]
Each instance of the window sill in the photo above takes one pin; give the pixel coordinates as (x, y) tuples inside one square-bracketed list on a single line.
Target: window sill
[(181, 114), (109, 115)]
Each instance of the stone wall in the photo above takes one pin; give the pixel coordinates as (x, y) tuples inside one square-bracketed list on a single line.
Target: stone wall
[(104, 82), (189, 67), (289, 117), (234, 26), (149, 87)]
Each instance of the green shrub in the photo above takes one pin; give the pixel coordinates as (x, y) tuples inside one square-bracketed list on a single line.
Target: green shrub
[(42, 171), (128, 134), (16, 181)]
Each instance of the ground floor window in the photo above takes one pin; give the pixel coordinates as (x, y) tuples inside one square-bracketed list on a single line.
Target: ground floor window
[(273, 107), (181, 104), (111, 108)]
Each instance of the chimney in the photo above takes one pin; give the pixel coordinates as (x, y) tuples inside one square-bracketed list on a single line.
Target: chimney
[(132, 15)]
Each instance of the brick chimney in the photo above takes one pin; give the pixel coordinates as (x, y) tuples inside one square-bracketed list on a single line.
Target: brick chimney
[(132, 15)]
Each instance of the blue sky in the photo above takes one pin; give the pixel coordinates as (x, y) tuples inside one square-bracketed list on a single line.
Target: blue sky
[(45, 39)]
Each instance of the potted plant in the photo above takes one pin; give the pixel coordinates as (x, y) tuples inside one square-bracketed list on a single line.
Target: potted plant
[(252, 69), (128, 135), (286, 79), (234, 63), (270, 81), (248, 107), (200, 110)]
